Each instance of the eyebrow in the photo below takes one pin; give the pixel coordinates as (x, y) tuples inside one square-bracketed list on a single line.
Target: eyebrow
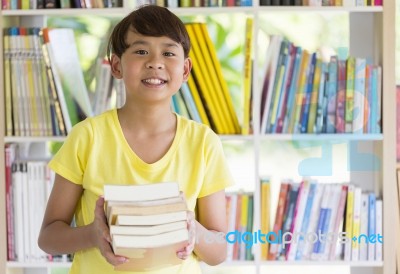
[(145, 43)]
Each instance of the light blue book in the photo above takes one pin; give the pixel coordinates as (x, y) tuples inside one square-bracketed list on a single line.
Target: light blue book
[(191, 107)]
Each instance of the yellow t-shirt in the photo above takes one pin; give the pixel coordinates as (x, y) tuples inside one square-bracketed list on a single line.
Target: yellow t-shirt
[(97, 153)]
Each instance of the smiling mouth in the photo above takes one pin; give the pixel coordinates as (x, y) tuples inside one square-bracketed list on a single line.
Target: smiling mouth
[(154, 81)]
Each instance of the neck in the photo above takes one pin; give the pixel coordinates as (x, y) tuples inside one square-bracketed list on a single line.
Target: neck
[(146, 120)]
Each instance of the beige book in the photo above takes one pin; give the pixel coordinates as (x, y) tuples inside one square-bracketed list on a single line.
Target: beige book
[(150, 252), (126, 209), (156, 219), (146, 229)]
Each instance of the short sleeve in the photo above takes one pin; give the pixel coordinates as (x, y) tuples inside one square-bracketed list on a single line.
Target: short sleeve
[(70, 161), (217, 174)]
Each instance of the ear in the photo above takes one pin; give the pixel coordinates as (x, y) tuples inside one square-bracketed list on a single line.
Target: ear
[(187, 68), (116, 68)]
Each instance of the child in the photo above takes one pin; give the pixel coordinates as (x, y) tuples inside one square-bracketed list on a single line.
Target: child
[(141, 143)]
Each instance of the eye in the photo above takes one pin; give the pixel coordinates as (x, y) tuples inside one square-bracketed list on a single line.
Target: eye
[(141, 52), (169, 54)]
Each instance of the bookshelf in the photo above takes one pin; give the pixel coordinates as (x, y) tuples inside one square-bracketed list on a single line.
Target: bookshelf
[(372, 34)]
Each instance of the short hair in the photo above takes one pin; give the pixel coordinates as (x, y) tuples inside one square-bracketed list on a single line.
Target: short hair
[(148, 20)]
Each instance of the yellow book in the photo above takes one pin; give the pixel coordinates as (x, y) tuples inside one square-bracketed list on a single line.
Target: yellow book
[(355, 246), (7, 83), (349, 221), (302, 80), (30, 85), (246, 127), (203, 83), (15, 71), (43, 85), (265, 214), (215, 89), (218, 70), (197, 100)]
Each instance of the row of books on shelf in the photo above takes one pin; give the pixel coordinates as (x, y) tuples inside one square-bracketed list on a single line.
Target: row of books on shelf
[(316, 221), (313, 221), (197, 3), (45, 91), (54, 4), (28, 186), (302, 93), (52, 96), (322, 3)]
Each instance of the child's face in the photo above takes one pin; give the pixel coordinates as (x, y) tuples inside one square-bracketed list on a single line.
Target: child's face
[(153, 68)]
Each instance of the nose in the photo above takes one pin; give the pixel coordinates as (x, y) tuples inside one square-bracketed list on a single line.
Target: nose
[(155, 63)]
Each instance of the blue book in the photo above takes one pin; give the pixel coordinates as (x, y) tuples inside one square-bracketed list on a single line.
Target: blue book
[(331, 95), (321, 106), (191, 106), (292, 91), (306, 221), (371, 224), (308, 90)]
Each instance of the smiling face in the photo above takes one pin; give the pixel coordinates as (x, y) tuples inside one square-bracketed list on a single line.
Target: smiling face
[(152, 68)]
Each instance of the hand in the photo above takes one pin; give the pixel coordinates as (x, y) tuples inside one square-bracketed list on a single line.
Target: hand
[(102, 238), (191, 225)]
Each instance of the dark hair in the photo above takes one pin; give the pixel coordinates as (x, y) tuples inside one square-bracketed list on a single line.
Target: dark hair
[(148, 20)]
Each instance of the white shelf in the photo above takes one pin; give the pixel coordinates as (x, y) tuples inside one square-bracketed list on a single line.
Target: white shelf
[(224, 264), (34, 139), (66, 12), (324, 263), (189, 11), (323, 137), (39, 264)]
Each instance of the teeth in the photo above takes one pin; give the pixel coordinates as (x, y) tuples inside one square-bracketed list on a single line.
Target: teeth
[(154, 81)]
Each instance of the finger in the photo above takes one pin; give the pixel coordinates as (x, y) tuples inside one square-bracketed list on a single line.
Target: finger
[(115, 260), (99, 210)]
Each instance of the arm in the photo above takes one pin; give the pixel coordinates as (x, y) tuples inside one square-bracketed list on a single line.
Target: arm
[(58, 237), (210, 247)]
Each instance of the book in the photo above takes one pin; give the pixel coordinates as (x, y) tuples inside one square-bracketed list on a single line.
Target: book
[(146, 192), (155, 219), (246, 127), (126, 209), (147, 253), (146, 229)]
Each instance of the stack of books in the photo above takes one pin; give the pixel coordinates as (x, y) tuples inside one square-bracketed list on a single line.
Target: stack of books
[(147, 224)]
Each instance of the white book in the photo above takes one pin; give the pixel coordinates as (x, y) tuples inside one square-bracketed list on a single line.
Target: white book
[(156, 219), (18, 209), (379, 230), (152, 241), (66, 60), (271, 61), (26, 206), (364, 227), (135, 193), (333, 207)]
